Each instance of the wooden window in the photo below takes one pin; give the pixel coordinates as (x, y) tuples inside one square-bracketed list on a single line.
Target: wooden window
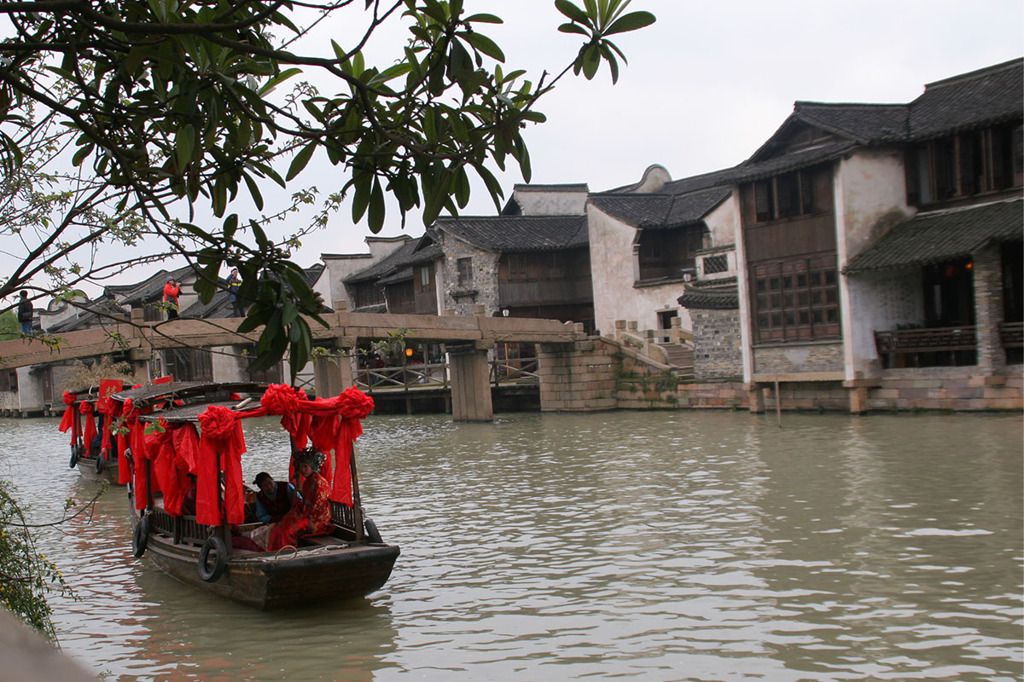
[(465, 267), (516, 266), (790, 195), (368, 294), (8, 380), (424, 278), (965, 165), (796, 300)]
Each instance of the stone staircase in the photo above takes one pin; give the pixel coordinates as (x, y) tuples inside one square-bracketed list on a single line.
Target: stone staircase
[(680, 357)]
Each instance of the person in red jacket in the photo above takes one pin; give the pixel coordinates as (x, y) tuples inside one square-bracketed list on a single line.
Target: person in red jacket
[(171, 291)]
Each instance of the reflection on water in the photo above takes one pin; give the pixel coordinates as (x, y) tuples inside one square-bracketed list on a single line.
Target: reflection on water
[(662, 546)]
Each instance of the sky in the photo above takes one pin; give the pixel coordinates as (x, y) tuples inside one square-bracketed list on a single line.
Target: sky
[(704, 87), (710, 82)]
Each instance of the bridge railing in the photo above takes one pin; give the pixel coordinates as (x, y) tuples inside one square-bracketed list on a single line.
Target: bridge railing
[(522, 371), (435, 375)]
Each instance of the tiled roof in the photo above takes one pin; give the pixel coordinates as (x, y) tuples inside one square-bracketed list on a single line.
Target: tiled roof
[(400, 275), (793, 160), (695, 183), (971, 100), (660, 210), (399, 258), (710, 298), (863, 123), (518, 233), (96, 311), (943, 235)]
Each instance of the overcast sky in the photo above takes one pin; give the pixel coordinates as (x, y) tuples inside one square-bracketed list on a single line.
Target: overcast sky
[(710, 81), (705, 86)]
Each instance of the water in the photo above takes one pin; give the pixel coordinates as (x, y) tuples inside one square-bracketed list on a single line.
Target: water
[(636, 545)]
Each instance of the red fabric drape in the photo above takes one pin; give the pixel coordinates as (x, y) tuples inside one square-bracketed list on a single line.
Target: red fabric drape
[(89, 432), (160, 446), (68, 420), (221, 433), (185, 450), (136, 440)]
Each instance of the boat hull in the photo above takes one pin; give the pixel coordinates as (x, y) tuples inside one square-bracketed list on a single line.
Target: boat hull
[(291, 577), (87, 468)]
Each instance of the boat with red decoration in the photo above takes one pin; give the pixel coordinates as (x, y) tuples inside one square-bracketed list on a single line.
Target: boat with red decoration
[(90, 417), (186, 444)]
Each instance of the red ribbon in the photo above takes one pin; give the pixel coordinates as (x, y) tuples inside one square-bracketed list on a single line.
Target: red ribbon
[(221, 434), (89, 435)]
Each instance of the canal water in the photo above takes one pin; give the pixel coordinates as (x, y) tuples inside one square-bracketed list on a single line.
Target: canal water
[(630, 545)]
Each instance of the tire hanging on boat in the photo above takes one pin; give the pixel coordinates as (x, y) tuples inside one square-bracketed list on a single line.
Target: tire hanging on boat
[(140, 537), (74, 456), (101, 463), (372, 534), (216, 544)]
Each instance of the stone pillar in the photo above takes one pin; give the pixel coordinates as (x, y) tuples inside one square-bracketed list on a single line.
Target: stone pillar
[(334, 373), (755, 398), (858, 400), (988, 310), (471, 386), (577, 377)]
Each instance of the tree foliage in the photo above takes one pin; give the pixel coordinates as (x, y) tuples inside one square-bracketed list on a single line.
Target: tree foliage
[(25, 575), (121, 122)]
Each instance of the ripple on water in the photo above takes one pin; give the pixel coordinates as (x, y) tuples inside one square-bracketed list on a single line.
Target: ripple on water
[(655, 546)]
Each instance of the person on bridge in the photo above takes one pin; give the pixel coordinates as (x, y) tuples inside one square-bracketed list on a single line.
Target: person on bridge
[(25, 313), (311, 516), (234, 282), (171, 291)]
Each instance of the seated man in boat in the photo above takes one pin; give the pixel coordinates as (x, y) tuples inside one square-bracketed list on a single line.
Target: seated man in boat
[(311, 515), (274, 498)]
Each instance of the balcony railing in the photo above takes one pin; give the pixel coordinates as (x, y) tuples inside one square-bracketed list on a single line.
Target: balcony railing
[(938, 347), (1012, 334)]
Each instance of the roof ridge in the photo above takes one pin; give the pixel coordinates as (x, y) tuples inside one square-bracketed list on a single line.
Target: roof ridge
[(977, 73)]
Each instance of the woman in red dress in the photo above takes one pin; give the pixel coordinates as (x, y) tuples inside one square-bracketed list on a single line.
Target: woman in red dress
[(311, 516)]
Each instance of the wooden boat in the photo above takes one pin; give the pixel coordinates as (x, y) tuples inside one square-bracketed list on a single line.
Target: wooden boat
[(89, 419), (349, 561)]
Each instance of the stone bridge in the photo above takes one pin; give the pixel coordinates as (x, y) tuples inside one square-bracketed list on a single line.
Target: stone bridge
[(467, 340)]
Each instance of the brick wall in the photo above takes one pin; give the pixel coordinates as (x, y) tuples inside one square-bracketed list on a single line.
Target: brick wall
[(799, 357), (717, 347), (577, 377)]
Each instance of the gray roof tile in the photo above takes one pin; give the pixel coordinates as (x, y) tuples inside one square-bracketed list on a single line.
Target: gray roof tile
[(518, 233), (938, 236), (661, 210)]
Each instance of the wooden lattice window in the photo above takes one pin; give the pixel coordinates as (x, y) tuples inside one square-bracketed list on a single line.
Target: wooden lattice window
[(797, 300)]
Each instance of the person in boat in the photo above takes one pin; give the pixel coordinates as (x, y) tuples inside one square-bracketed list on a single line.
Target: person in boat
[(311, 514), (274, 499)]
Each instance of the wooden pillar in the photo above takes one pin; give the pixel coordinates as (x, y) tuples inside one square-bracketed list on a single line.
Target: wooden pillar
[(471, 386)]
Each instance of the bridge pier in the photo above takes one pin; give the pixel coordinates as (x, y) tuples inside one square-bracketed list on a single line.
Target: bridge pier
[(334, 373), (471, 387)]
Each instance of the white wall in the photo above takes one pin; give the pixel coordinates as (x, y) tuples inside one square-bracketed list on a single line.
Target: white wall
[(870, 199), (338, 268), (551, 199), (611, 266)]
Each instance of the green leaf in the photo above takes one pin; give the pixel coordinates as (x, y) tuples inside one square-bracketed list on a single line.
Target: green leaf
[(278, 79), (184, 145), (300, 160), (483, 19), (630, 22), (572, 11), (574, 28), (485, 45), (376, 207)]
